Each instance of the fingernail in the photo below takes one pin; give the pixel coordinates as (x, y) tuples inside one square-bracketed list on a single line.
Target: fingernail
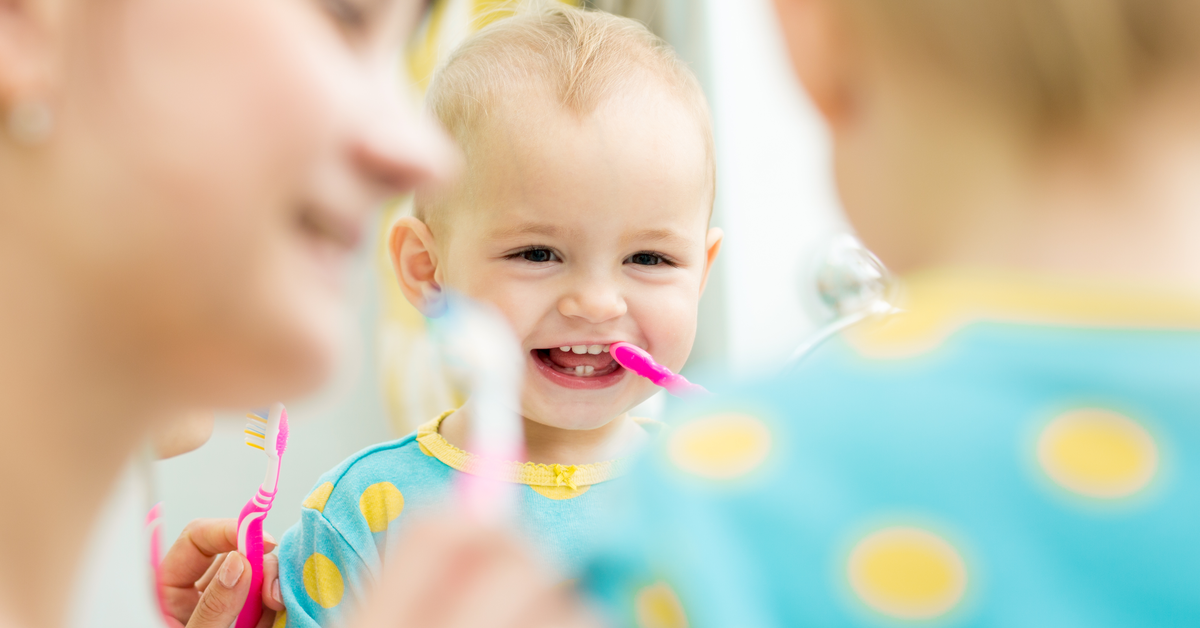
[(270, 539), (275, 593), (232, 570)]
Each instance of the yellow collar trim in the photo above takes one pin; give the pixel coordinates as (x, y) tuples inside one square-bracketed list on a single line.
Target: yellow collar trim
[(938, 303), (534, 474)]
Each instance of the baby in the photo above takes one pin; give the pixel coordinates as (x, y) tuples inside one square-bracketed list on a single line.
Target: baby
[(583, 217)]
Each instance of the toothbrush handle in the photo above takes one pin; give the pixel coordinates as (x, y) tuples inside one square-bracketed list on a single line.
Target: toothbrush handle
[(154, 525), (250, 545), (679, 386)]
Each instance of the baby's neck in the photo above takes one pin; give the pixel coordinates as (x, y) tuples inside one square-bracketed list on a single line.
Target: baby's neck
[(545, 444), (1130, 214), (551, 445)]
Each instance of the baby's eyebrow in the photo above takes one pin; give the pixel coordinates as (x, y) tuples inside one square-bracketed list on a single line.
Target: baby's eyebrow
[(528, 228), (667, 236)]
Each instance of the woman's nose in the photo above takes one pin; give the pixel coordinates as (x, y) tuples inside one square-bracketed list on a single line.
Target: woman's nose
[(594, 302), (400, 150)]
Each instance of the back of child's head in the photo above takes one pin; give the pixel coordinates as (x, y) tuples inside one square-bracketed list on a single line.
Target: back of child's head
[(1054, 65), (574, 57)]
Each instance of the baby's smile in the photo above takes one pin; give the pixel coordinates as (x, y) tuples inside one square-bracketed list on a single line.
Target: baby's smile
[(581, 238), (578, 366)]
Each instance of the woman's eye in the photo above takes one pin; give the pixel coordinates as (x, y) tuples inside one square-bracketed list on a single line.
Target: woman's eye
[(539, 256), (645, 259), (346, 13)]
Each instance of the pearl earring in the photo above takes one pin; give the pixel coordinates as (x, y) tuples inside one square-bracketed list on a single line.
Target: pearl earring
[(30, 122)]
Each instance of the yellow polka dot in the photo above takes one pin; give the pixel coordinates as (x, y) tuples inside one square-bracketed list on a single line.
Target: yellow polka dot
[(720, 447), (316, 500), (1098, 453), (907, 573), (280, 620), (380, 504), (657, 606), (322, 581), (560, 492)]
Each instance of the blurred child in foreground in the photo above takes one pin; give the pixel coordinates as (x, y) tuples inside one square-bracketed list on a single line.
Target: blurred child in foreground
[(1018, 448)]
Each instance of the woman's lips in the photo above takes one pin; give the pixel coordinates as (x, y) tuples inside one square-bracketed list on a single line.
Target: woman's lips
[(577, 371)]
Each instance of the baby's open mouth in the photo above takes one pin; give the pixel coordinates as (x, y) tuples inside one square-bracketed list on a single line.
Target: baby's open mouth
[(578, 360)]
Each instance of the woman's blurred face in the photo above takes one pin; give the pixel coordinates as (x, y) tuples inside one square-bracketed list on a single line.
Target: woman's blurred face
[(213, 165)]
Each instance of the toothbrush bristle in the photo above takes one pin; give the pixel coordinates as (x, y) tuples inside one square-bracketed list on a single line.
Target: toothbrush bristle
[(281, 439), (255, 417), (255, 445)]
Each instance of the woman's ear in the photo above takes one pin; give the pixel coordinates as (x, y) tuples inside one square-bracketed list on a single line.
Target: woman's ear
[(820, 51), (414, 258), (712, 246)]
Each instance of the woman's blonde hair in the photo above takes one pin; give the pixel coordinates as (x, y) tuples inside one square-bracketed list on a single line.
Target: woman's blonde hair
[(581, 57), (1057, 63)]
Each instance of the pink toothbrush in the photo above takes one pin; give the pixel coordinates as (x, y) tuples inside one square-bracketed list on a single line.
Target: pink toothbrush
[(269, 436), (637, 360), (154, 527)]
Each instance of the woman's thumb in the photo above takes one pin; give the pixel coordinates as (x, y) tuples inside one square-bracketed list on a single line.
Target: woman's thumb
[(223, 599)]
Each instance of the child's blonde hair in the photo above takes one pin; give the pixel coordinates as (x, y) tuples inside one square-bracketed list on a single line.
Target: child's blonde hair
[(582, 56), (1059, 64)]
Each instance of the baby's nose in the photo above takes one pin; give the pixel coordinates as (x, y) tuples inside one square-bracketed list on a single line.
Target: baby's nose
[(593, 303)]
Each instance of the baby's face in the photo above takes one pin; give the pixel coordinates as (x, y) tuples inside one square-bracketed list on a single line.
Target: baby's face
[(585, 232)]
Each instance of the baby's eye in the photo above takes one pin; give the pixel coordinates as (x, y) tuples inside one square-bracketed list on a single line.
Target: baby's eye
[(538, 256), (645, 259)]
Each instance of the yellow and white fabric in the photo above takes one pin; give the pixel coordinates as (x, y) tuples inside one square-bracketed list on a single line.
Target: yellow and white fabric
[(330, 558)]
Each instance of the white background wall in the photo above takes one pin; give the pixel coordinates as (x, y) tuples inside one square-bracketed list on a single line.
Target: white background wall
[(775, 197)]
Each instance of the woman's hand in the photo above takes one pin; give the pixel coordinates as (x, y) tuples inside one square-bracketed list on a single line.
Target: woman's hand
[(205, 581), (449, 574)]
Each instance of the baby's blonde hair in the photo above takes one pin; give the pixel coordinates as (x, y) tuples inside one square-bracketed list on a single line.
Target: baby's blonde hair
[(582, 57), (1059, 64)]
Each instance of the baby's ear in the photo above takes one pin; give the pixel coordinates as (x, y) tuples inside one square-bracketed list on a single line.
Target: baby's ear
[(414, 258), (712, 246)]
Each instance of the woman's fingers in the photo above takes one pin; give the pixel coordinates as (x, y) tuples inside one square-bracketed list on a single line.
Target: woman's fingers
[(193, 560), (267, 620), (561, 608), (271, 594), (225, 595), (509, 589), (192, 553), (202, 583), (446, 574)]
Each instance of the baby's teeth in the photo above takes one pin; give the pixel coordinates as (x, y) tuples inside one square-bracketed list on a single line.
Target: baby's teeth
[(580, 349), (579, 370), (594, 349), (565, 349), (606, 348), (588, 370)]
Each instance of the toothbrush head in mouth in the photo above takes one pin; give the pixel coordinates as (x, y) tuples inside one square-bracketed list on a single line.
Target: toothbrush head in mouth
[(578, 366)]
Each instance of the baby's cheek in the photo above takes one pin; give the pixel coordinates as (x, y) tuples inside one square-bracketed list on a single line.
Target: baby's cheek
[(520, 304), (671, 329)]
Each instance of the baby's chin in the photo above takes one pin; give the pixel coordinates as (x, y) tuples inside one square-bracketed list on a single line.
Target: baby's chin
[(573, 416)]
